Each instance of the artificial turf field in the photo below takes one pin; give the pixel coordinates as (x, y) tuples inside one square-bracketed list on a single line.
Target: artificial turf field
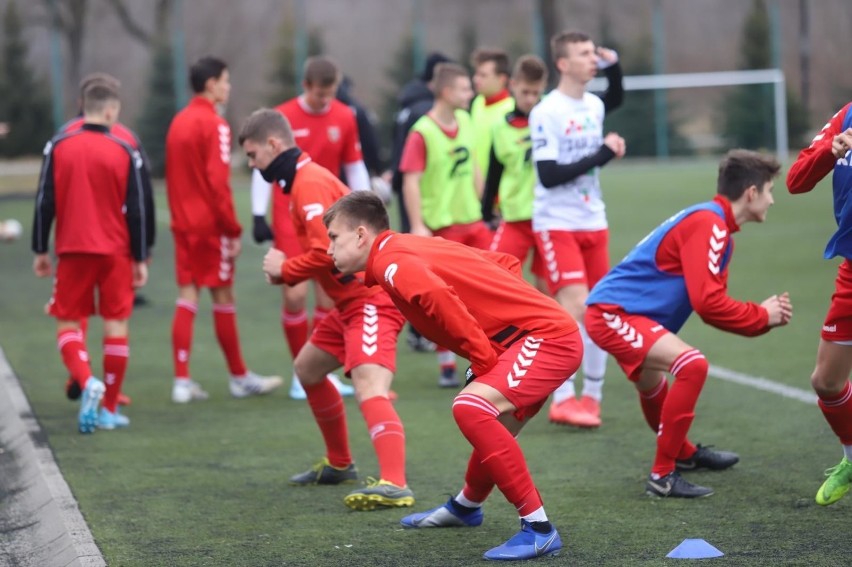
[(206, 484)]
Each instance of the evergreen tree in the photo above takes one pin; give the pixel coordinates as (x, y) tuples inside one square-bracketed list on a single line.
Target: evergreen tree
[(635, 120), (160, 107), (285, 80), (749, 111), (468, 42), (24, 103), (400, 71)]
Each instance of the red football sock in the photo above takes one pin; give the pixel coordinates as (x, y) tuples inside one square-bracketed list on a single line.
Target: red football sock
[(690, 373), (116, 353), (388, 438), (182, 325), (499, 450), (477, 481), (652, 403), (837, 410), (327, 406), (295, 326), (225, 324), (74, 355)]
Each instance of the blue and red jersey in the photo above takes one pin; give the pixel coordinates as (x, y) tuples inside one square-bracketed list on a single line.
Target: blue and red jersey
[(814, 163), (681, 267)]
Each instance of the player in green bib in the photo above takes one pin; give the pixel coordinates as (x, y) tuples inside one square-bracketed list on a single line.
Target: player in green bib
[(511, 177), (440, 178), (492, 102)]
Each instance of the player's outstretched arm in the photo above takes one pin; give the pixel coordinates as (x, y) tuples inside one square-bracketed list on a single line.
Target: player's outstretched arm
[(701, 242), (818, 159)]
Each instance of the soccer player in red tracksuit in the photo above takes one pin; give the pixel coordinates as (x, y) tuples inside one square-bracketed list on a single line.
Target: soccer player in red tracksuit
[(122, 132), (326, 129), (359, 333), (831, 150), (635, 311), (206, 231), (520, 343), (90, 183)]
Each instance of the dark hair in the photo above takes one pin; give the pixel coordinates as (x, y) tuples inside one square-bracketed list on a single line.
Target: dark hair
[(431, 61), (97, 96), (203, 70), (490, 54), (560, 40), (321, 71), (266, 123), (359, 208), (530, 69), (740, 169)]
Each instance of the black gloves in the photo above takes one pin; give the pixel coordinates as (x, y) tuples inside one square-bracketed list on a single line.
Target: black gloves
[(260, 230)]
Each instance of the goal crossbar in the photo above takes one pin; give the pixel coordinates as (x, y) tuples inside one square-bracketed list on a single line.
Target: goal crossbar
[(775, 77)]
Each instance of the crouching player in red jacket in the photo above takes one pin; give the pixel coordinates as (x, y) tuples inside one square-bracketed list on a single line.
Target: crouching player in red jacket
[(635, 311), (520, 343)]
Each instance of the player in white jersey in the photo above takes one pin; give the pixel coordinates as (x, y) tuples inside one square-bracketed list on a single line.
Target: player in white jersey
[(569, 218)]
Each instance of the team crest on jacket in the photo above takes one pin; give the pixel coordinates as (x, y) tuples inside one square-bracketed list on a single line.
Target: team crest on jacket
[(334, 133)]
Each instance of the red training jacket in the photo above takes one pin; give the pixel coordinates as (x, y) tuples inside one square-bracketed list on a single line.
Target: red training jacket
[(684, 251), (90, 183), (330, 137), (473, 302), (816, 161), (313, 191), (198, 170)]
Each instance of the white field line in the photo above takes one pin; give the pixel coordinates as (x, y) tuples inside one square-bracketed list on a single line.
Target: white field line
[(763, 384)]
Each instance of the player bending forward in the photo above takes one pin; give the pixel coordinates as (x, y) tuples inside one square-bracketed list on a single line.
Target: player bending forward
[(521, 346), (635, 311)]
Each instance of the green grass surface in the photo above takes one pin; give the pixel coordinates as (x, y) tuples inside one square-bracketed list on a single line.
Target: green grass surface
[(205, 484)]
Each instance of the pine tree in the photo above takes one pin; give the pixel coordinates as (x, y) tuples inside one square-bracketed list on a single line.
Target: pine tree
[(400, 72), (285, 80), (749, 112), (635, 120), (160, 107), (24, 103), (468, 42)]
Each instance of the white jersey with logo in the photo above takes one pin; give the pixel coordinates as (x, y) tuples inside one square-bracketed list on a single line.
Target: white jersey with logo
[(566, 130)]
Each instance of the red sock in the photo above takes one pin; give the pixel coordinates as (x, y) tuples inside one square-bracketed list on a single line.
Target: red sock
[(690, 373), (652, 403), (225, 324), (477, 481), (74, 355), (116, 352), (295, 329), (327, 406), (838, 413), (388, 438), (182, 325), (499, 450)]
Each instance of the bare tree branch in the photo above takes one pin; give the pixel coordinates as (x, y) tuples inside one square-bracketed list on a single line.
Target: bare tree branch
[(135, 31)]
